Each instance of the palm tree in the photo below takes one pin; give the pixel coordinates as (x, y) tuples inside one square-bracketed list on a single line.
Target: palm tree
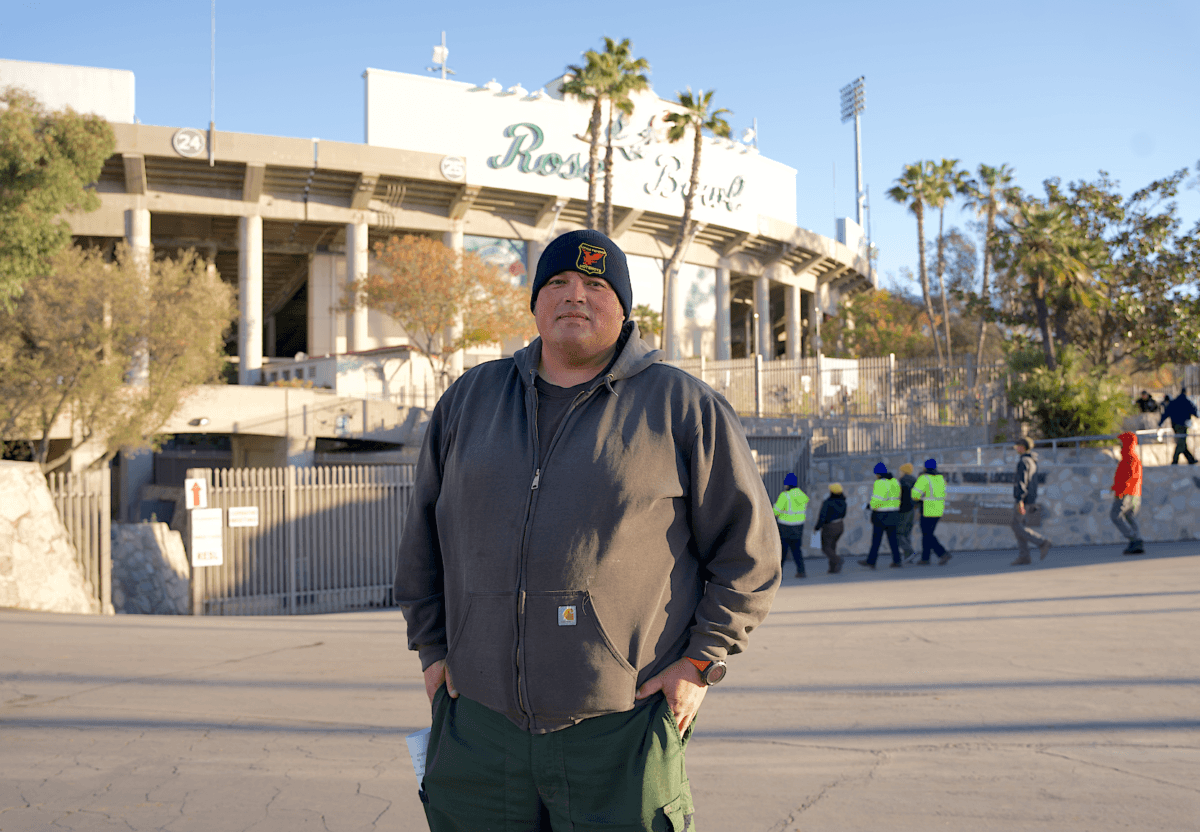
[(912, 187), (988, 196), (945, 179), (697, 116), (1044, 244), (587, 82), (624, 75)]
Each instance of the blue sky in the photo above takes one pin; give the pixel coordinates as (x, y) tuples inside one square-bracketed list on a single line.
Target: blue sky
[(1051, 88)]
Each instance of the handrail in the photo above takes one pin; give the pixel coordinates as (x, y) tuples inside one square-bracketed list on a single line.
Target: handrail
[(1054, 443)]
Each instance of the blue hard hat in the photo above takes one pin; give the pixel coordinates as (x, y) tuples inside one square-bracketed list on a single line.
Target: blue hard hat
[(880, 468), (790, 481), (931, 464)]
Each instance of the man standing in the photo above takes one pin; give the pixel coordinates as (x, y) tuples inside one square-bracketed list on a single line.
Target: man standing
[(885, 516), (1180, 411), (1025, 488), (588, 540), (1127, 493), (930, 490), (907, 509)]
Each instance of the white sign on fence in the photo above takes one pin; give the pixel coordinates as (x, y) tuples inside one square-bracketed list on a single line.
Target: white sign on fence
[(207, 549), (195, 492), (243, 517)]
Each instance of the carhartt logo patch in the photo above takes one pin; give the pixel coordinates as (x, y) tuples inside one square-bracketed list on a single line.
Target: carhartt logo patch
[(591, 259), (566, 616)]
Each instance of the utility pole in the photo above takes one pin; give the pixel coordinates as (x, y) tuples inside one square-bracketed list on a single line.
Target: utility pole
[(212, 90), (854, 101), (440, 56)]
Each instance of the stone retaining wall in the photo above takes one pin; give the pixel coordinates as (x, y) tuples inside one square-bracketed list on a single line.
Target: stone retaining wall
[(1073, 501), (150, 574), (39, 567)]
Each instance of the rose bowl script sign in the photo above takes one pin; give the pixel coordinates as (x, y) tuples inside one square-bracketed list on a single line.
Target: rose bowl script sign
[(536, 143)]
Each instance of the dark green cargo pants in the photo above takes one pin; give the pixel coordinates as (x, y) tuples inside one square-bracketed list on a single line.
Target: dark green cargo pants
[(614, 773)]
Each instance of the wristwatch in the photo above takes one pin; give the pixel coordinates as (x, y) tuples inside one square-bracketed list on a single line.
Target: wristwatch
[(710, 672)]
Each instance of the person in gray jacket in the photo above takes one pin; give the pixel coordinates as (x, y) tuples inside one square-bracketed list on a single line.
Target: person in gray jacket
[(588, 539), (1025, 489)]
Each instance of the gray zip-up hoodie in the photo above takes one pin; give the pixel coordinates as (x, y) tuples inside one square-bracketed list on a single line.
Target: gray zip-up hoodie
[(1025, 483), (553, 594)]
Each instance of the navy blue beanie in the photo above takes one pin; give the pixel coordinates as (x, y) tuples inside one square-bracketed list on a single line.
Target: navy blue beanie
[(791, 481), (590, 253), (880, 469), (931, 465)]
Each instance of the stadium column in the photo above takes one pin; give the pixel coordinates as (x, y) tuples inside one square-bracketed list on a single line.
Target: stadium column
[(136, 466), (453, 239), (356, 270), (762, 307), (723, 348), (250, 300), (792, 318)]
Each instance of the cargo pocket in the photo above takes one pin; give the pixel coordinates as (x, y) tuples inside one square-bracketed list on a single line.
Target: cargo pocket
[(679, 814), (572, 668), (481, 645)]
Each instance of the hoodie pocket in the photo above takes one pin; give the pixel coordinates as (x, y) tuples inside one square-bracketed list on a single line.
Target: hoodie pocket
[(480, 655), (572, 668)]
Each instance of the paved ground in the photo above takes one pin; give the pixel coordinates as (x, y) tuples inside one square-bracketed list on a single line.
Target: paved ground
[(1063, 696)]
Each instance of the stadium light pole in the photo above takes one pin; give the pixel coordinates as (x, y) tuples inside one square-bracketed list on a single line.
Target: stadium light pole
[(854, 101)]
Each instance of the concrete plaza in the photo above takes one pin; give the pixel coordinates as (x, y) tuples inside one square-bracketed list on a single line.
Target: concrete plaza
[(975, 696)]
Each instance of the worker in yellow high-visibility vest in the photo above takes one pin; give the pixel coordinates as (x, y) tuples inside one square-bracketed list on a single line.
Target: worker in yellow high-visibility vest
[(885, 515), (790, 515), (931, 491)]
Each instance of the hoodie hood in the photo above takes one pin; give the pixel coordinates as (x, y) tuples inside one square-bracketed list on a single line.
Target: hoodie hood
[(1128, 442), (634, 357)]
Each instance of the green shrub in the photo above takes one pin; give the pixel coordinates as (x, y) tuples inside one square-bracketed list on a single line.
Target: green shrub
[(1071, 401)]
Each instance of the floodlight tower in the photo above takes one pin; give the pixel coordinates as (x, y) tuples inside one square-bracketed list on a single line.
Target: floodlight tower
[(440, 56), (854, 101)]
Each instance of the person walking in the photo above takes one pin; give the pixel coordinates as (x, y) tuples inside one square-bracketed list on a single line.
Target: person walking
[(1180, 411), (1127, 494), (789, 515), (930, 490), (831, 523), (1025, 488), (885, 511), (904, 525), (587, 541)]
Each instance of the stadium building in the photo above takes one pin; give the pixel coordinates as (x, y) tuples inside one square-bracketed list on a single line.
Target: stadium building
[(496, 169)]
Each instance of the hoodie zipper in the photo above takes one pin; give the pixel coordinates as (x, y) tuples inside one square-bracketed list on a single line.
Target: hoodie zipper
[(529, 509)]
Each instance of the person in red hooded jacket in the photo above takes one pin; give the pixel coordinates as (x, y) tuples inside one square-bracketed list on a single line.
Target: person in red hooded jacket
[(1127, 491)]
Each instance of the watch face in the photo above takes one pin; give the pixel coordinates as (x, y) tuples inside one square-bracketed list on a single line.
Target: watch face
[(715, 673)]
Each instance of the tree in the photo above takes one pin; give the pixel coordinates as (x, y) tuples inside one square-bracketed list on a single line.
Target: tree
[(588, 82), (649, 322), (424, 286), (68, 343), (912, 187), (989, 196), (1053, 253), (697, 116), (47, 161), (944, 180), (1148, 281), (623, 76), (1069, 400), (879, 322)]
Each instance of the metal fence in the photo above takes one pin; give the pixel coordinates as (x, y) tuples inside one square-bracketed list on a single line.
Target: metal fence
[(84, 502), (915, 391), (326, 539), (779, 455)]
